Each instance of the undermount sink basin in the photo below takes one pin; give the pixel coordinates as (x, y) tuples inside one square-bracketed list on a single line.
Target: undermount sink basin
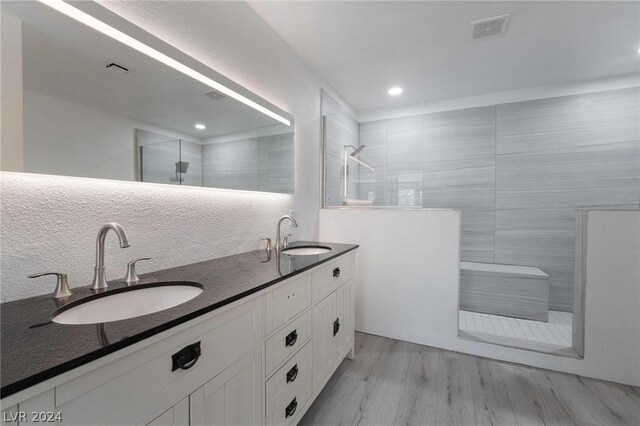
[(306, 250), (128, 302)]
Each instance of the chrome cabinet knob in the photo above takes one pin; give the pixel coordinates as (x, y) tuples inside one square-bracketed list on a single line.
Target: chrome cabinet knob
[(132, 276), (62, 290)]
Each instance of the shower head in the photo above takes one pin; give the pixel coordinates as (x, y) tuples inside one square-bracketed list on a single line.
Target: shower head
[(358, 149), (353, 157), (182, 166)]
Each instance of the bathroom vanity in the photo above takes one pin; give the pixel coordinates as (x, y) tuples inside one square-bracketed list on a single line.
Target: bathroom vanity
[(255, 347)]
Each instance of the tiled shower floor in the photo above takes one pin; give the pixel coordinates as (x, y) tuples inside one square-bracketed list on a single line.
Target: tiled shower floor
[(556, 332)]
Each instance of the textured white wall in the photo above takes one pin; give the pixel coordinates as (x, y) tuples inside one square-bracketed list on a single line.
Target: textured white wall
[(51, 222)]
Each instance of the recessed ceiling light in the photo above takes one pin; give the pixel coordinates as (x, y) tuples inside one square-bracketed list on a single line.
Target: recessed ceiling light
[(200, 126), (395, 91)]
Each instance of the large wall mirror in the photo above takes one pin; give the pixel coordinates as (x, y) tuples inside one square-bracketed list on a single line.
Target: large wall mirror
[(95, 105)]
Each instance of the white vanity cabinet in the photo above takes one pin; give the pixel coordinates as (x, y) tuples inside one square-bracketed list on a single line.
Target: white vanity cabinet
[(331, 313), (234, 397), (344, 338), (332, 332), (146, 384), (290, 388), (324, 348), (332, 316), (178, 415), (263, 359)]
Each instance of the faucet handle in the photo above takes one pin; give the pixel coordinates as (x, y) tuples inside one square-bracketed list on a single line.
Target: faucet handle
[(133, 262), (285, 241), (132, 276), (62, 285), (268, 240)]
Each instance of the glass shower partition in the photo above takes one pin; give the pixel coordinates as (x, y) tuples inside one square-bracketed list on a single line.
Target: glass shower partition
[(168, 160), (159, 159)]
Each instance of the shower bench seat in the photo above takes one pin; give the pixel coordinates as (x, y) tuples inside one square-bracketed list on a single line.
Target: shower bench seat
[(510, 290)]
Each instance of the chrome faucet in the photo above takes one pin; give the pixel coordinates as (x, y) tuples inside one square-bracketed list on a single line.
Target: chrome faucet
[(284, 242), (99, 275)]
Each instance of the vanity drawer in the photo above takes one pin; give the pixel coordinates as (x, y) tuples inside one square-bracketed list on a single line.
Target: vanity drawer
[(138, 387), (330, 277), (290, 388), (287, 301), (288, 340)]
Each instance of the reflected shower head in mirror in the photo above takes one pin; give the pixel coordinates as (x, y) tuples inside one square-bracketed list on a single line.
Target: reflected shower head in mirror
[(358, 149), (182, 166)]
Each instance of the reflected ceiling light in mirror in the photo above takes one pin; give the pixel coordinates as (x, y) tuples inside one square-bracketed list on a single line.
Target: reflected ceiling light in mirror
[(395, 91), (200, 126), (123, 38)]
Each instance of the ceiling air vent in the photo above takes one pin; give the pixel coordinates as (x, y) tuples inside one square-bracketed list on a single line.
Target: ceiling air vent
[(214, 94), (490, 27), (115, 68)]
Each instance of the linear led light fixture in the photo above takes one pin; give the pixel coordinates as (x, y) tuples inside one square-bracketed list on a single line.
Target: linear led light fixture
[(123, 38)]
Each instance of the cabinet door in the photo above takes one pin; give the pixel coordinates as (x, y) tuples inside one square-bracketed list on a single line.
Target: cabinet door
[(178, 415), (324, 348), (344, 334), (43, 403), (234, 397), (10, 416)]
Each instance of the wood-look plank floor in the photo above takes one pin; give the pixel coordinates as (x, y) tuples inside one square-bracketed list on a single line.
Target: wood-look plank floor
[(391, 382)]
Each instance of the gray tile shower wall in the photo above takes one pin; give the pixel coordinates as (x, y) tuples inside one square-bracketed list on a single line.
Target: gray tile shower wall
[(555, 156), (191, 152), (459, 172), (444, 159), (232, 164), (158, 162), (263, 163), (517, 171), (372, 185), (280, 163)]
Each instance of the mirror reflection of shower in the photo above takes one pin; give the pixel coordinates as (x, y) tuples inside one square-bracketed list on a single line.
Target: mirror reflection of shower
[(181, 169), (352, 156)]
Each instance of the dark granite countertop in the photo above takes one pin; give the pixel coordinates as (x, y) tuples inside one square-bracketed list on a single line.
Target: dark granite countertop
[(35, 349)]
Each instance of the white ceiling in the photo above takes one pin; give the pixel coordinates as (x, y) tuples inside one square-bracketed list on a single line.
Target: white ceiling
[(362, 48)]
